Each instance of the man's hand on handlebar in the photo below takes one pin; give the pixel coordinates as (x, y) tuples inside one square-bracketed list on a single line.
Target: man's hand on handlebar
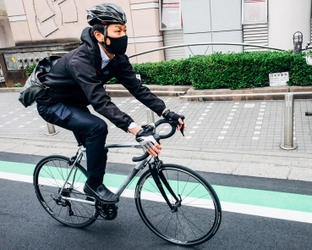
[(148, 139), (171, 116)]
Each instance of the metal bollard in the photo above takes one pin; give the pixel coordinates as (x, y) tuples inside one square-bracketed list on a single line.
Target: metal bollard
[(289, 123), (51, 129), (150, 116)]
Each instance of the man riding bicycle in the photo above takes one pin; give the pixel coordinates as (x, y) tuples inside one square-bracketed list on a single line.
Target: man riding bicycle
[(77, 80)]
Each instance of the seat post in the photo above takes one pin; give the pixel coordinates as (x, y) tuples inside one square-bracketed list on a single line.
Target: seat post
[(79, 140)]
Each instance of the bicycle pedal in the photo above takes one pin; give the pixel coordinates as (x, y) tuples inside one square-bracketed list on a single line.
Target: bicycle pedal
[(108, 211)]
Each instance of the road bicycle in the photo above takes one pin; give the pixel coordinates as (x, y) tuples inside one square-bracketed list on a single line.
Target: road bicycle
[(175, 202)]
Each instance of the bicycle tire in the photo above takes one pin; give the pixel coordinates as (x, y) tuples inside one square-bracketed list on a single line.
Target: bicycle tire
[(195, 221), (49, 176)]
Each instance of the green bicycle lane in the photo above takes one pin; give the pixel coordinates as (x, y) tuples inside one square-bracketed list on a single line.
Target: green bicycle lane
[(273, 204)]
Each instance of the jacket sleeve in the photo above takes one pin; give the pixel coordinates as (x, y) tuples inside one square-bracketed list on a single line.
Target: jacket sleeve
[(87, 78), (127, 77)]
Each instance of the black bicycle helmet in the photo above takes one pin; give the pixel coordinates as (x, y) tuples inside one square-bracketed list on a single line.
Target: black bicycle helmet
[(106, 13)]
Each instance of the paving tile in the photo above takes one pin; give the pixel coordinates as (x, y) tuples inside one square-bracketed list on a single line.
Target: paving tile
[(231, 125)]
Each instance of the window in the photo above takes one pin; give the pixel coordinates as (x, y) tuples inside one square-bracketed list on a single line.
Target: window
[(254, 11), (170, 14)]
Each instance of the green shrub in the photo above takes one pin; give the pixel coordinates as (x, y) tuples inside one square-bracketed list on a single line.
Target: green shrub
[(29, 69), (17, 85), (238, 70), (231, 70), (300, 72), (173, 72)]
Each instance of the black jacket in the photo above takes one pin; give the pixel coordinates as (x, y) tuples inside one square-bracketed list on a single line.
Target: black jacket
[(77, 79)]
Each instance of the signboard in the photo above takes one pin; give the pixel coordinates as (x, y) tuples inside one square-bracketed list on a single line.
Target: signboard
[(254, 11), (19, 61), (171, 15), (279, 79)]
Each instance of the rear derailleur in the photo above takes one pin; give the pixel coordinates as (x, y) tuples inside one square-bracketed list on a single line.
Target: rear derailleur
[(64, 203)]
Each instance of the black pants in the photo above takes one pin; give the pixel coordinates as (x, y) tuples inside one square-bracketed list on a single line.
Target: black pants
[(91, 129)]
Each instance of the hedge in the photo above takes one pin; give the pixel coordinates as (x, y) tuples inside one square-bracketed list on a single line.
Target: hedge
[(232, 70)]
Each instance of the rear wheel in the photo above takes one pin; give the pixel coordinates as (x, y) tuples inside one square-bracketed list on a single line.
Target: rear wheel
[(196, 216), (68, 205)]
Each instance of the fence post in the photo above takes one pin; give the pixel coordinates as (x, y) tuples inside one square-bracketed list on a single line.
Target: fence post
[(288, 123), (150, 116), (51, 129)]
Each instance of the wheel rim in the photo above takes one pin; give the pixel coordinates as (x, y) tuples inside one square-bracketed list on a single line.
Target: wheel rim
[(49, 179), (194, 221)]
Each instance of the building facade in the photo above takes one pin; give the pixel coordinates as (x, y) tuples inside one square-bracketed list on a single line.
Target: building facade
[(29, 29)]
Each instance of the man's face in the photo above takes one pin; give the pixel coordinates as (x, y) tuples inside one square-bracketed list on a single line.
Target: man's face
[(116, 30)]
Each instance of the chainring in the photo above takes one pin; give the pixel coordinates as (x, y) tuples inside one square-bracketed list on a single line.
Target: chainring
[(108, 211)]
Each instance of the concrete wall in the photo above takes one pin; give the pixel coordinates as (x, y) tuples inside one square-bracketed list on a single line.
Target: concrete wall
[(58, 21), (6, 37), (285, 18), (212, 21)]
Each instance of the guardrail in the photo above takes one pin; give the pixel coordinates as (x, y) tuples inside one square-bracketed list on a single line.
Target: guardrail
[(205, 43)]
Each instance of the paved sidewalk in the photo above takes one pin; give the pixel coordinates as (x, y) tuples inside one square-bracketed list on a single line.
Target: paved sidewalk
[(231, 137)]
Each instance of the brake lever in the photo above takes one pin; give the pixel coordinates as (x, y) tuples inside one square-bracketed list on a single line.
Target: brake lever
[(182, 127)]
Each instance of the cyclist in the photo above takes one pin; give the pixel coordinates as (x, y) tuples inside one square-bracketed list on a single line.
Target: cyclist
[(77, 80)]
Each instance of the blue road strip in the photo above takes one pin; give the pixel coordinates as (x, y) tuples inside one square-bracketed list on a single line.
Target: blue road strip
[(266, 203)]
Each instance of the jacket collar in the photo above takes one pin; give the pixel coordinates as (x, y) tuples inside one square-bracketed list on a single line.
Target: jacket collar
[(90, 41)]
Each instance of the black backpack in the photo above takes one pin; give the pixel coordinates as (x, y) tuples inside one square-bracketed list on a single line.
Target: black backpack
[(33, 84)]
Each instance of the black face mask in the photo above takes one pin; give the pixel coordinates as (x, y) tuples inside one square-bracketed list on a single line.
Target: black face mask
[(117, 45)]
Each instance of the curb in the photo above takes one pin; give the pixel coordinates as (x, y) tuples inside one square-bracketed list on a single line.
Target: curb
[(190, 94), (264, 93), (117, 90), (259, 165), (9, 90)]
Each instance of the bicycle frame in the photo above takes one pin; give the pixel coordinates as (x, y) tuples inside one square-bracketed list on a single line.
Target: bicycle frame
[(81, 153), (143, 161)]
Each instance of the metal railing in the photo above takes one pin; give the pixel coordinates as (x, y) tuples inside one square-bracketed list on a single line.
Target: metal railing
[(205, 43)]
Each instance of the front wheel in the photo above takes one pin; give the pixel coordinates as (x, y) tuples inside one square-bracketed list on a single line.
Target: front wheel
[(65, 202), (197, 214)]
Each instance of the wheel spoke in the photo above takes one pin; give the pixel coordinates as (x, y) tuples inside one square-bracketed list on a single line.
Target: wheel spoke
[(49, 177), (196, 216)]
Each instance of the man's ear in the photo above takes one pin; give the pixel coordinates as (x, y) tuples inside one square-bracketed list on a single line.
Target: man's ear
[(99, 36), (107, 42)]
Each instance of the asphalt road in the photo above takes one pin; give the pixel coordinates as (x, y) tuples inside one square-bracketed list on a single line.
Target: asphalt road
[(25, 224)]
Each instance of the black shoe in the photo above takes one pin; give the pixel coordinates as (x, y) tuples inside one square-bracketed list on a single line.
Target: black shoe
[(102, 194)]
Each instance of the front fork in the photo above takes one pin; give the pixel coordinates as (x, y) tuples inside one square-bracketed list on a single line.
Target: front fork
[(160, 180)]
